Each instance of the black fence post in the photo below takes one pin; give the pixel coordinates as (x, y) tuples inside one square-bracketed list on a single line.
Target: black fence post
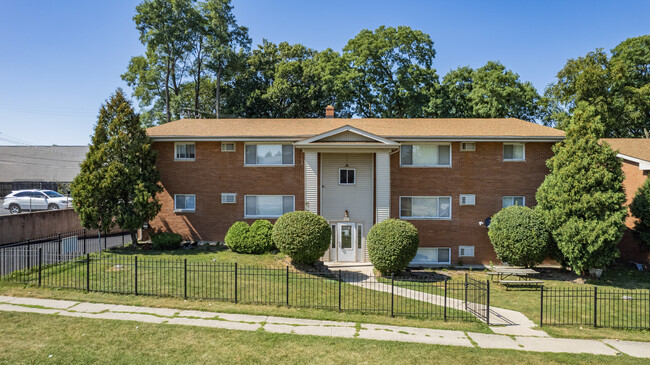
[(287, 286), (340, 285), (87, 272), (444, 316), (184, 275), (595, 306), (235, 282), (105, 238), (487, 316), (29, 256), (84, 238), (466, 288), (60, 244), (392, 295), (122, 239), (541, 306), (136, 275), (40, 264)]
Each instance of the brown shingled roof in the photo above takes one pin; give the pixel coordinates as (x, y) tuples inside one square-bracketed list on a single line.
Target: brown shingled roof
[(303, 128), (633, 147)]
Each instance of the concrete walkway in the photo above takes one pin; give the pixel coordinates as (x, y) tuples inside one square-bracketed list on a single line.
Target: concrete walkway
[(243, 322)]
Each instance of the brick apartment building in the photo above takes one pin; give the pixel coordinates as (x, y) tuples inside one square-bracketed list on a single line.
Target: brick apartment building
[(446, 176)]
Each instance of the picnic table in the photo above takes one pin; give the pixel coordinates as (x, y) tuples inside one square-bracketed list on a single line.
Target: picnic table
[(515, 276)]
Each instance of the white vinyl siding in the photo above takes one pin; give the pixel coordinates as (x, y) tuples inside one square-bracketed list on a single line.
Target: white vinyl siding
[(382, 189), (311, 181), (509, 201), (425, 207), (425, 155), (184, 202), (184, 151), (268, 206), (514, 152), (269, 155), (432, 256)]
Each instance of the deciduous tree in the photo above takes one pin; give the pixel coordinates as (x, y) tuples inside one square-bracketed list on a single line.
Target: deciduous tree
[(640, 209)]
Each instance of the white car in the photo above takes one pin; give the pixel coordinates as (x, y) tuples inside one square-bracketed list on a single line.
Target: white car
[(30, 200)]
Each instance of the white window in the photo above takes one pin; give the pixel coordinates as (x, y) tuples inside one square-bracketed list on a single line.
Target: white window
[(466, 251), (509, 201), (514, 152), (347, 176), (468, 146), (227, 147), (269, 154), (228, 198), (467, 199), (432, 256), (425, 155), (184, 151), (184, 202), (268, 206), (425, 207)]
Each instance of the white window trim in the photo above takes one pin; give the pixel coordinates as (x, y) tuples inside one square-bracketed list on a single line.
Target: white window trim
[(426, 218), (355, 176), (234, 146), (234, 195), (460, 248), (467, 150), (513, 197), (267, 216), (293, 162), (460, 199), (437, 262), (523, 159), (184, 159), (184, 210), (427, 166)]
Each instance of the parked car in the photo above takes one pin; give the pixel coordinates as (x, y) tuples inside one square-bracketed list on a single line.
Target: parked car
[(30, 200)]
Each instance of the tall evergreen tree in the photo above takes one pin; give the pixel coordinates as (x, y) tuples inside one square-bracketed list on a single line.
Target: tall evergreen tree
[(582, 198), (640, 209), (118, 181)]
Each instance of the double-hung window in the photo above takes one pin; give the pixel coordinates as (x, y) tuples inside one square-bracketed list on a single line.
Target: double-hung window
[(425, 207), (514, 152), (268, 206), (425, 155), (269, 154), (184, 202), (184, 151), (347, 176), (509, 201)]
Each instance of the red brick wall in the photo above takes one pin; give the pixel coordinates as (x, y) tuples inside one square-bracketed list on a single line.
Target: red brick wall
[(483, 173), (214, 172), (632, 248)]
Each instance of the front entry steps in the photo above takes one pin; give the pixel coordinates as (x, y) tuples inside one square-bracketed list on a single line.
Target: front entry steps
[(363, 267)]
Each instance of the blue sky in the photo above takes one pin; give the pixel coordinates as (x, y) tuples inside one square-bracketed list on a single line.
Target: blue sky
[(60, 60)]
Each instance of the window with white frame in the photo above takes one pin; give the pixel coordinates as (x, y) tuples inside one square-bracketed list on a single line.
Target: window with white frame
[(227, 146), (426, 155), (509, 201), (347, 176), (425, 207), (184, 202), (269, 154), (268, 206), (468, 146), (184, 151), (432, 256), (466, 251), (228, 198), (514, 152)]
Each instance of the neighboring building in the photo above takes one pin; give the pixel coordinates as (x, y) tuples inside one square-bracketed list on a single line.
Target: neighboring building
[(446, 176), (635, 153), (39, 167)]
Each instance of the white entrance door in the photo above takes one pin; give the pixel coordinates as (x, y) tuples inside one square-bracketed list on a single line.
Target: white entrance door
[(346, 244)]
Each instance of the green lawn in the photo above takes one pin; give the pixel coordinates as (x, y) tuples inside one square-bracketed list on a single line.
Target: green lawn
[(37, 338)]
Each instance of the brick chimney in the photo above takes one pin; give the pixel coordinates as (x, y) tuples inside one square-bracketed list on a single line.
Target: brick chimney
[(329, 112)]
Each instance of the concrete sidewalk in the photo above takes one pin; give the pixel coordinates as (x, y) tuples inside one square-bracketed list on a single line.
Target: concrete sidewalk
[(312, 327)]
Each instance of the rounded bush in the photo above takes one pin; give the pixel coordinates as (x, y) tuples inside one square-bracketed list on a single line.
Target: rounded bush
[(392, 245), (519, 236), (259, 236), (303, 236), (166, 241), (237, 237)]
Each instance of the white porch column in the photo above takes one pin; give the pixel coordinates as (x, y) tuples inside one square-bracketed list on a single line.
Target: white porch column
[(382, 168), (311, 181)]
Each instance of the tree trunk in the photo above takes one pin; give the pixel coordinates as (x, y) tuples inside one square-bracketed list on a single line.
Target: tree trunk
[(218, 102), (168, 111), (134, 238), (198, 84)]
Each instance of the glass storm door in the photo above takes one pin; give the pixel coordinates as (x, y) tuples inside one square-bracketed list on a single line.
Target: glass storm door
[(346, 242)]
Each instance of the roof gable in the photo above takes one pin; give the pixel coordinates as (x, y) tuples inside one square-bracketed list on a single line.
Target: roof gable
[(346, 134)]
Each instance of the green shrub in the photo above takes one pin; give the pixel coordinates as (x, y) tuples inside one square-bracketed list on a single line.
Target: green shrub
[(303, 236), (259, 237), (166, 241), (519, 236), (640, 209), (237, 237), (392, 245)]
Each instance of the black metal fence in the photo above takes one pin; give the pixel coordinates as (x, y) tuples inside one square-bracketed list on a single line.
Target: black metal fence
[(598, 307), (56, 248), (421, 296)]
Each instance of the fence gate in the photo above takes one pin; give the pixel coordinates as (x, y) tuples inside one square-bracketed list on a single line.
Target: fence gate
[(477, 298)]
